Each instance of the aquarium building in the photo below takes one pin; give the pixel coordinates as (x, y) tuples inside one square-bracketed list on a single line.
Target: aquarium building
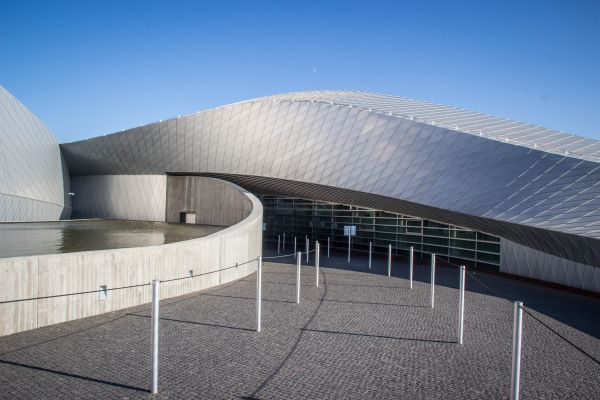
[(471, 188)]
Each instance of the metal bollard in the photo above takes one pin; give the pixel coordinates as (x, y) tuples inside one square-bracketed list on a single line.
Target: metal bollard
[(155, 336), (461, 305), (328, 242), (299, 260), (389, 260), (349, 244), (317, 261), (370, 253), (295, 252), (516, 354), (410, 266), (278, 243), (258, 293), (283, 244), (307, 248), (432, 293)]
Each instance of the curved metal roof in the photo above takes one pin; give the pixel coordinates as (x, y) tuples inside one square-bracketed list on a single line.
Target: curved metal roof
[(467, 121)]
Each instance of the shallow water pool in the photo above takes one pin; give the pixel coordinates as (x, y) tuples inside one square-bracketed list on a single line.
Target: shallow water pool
[(35, 238)]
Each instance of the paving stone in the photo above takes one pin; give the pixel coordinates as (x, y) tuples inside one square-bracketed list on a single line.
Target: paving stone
[(359, 335)]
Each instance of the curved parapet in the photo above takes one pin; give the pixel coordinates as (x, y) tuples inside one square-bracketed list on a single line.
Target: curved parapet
[(159, 198), (34, 178), (530, 185), (186, 267)]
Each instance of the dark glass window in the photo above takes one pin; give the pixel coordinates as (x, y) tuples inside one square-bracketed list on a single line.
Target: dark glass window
[(320, 220)]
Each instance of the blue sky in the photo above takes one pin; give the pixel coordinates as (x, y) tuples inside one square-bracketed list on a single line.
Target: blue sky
[(96, 67)]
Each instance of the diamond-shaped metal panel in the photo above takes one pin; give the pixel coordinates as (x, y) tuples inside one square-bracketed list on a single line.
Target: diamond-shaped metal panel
[(32, 184), (524, 261)]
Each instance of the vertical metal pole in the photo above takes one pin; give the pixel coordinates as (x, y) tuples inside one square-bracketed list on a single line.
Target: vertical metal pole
[(155, 325), (307, 249), (349, 244), (258, 293), (299, 260), (516, 354), (389, 260), (328, 242), (370, 253), (317, 261), (295, 253), (411, 265), (461, 305), (432, 293), (283, 247), (278, 243)]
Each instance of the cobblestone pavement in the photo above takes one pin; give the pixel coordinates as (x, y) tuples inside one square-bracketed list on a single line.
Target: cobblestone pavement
[(359, 335)]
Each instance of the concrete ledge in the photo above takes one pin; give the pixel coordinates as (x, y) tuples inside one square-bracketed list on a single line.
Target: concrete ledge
[(56, 274)]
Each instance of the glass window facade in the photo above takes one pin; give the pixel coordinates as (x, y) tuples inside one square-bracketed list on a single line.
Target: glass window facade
[(320, 220)]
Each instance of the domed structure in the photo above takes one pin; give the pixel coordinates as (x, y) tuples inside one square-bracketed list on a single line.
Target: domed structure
[(531, 193)]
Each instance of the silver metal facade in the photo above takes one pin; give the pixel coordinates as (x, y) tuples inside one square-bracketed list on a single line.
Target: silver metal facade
[(301, 145), (531, 263), (33, 176)]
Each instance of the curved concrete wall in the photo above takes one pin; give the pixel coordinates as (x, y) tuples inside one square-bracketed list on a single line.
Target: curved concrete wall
[(214, 201), (132, 197), (33, 177), (159, 198), (39, 276)]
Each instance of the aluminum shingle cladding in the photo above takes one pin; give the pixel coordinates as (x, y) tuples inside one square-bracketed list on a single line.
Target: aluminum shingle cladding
[(32, 181), (467, 121), (368, 144)]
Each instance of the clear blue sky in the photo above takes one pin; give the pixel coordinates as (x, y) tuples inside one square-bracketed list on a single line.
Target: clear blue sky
[(88, 68)]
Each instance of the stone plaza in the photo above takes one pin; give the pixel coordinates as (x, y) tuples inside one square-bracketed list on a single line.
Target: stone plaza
[(358, 335)]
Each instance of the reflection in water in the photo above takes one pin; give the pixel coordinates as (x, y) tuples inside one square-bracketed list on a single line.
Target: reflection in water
[(32, 238)]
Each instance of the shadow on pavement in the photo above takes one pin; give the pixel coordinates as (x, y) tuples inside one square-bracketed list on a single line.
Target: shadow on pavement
[(196, 323), (378, 336), (70, 375)]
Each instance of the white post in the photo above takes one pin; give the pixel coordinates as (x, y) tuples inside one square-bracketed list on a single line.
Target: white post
[(411, 265), (461, 305), (155, 325), (328, 242), (299, 260), (389, 260), (295, 253), (278, 243), (317, 261), (307, 249), (432, 293), (516, 354), (258, 293), (349, 244), (283, 246), (370, 253)]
